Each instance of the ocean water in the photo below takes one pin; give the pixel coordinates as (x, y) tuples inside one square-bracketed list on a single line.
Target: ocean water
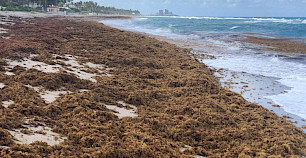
[(218, 36), (286, 27)]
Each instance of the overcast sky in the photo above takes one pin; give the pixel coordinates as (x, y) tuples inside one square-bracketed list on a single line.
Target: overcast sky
[(214, 7)]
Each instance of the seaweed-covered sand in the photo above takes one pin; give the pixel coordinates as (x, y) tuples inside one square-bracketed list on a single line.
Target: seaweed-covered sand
[(82, 89)]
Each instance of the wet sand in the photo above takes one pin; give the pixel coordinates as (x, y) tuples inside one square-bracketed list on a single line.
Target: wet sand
[(254, 88), (165, 100)]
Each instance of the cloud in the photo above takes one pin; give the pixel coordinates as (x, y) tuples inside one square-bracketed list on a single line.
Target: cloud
[(167, 1), (232, 1)]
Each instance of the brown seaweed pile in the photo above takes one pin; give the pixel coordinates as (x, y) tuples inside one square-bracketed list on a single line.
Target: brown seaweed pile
[(178, 99), (285, 45)]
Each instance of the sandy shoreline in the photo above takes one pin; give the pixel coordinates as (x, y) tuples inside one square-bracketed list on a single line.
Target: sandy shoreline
[(254, 88), (180, 104)]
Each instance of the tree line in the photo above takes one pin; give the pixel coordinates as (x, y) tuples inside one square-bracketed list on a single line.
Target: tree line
[(85, 7), (93, 7), (19, 5)]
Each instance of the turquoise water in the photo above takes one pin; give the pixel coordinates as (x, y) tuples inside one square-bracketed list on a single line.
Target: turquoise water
[(217, 36), (286, 27)]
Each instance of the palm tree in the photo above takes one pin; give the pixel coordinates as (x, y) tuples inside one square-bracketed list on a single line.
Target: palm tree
[(78, 5)]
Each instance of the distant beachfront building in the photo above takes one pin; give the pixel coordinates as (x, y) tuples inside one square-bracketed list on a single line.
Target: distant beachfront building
[(166, 12), (70, 6), (32, 5), (161, 13), (53, 9)]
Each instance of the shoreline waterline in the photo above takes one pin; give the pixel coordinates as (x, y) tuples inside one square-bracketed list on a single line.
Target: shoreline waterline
[(256, 88), (221, 45)]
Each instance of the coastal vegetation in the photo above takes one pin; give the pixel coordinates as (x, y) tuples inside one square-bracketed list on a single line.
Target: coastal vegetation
[(93, 7), (16, 6), (65, 5)]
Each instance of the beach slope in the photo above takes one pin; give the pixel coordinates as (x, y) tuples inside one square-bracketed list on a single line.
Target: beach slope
[(104, 92)]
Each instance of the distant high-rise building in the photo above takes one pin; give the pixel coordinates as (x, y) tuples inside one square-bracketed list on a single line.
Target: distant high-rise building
[(161, 13), (166, 12)]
